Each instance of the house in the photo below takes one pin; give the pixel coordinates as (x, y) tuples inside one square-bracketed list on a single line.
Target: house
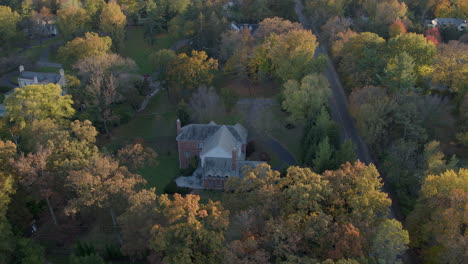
[(220, 151), (460, 24), (28, 78), (239, 27)]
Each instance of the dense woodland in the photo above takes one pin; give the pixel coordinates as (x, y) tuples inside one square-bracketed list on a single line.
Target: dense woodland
[(407, 90)]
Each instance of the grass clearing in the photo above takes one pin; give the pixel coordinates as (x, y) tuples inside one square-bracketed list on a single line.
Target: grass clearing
[(35, 51)]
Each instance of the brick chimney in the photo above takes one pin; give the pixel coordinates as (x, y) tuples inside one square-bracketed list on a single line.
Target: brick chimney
[(21, 68), (234, 159), (178, 125)]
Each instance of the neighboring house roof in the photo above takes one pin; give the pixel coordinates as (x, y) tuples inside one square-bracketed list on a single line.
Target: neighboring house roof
[(223, 167), (41, 76), (201, 132), (238, 27)]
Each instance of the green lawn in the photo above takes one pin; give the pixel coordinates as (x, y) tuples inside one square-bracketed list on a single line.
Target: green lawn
[(156, 127), (47, 69), (139, 50), (14, 79), (35, 51)]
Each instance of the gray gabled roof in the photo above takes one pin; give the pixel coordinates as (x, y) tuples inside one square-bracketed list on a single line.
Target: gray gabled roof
[(223, 139), (201, 132), (41, 76)]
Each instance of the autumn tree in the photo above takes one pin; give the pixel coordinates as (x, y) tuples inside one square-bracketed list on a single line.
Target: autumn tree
[(93, 9), (7, 189), (400, 75), (160, 62), (438, 223), (113, 23), (397, 28), (237, 49), (322, 10), (333, 27), (433, 35), (450, 66), (136, 223), (37, 102), (274, 25), (104, 183), (188, 72), (73, 22), (306, 98), (384, 13), (136, 156), (291, 53), (435, 160), (189, 231), (90, 46)]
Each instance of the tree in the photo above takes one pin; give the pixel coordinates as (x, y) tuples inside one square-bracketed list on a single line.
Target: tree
[(37, 102), (73, 22), (323, 156), (333, 27), (205, 104), (362, 59), (435, 160), (136, 223), (90, 46), (372, 108), (136, 156), (93, 9), (291, 53), (274, 25), (103, 184), (103, 78), (190, 72), (390, 242), (160, 62), (438, 223), (321, 10), (113, 23), (346, 153), (8, 23), (385, 13), (305, 99), (6, 190), (433, 35), (189, 232), (417, 47), (450, 67), (89, 259), (399, 75), (397, 28)]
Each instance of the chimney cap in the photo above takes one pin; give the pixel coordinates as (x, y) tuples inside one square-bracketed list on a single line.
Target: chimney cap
[(21, 68)]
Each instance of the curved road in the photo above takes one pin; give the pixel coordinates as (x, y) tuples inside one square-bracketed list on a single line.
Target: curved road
[(339, 112)]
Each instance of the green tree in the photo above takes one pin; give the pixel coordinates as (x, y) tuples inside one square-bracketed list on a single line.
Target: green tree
[(346, 153), (6, 234), (73, 22), (418, 47), (90, 46), (323, 156), (161, 60), (399, 75), (438, 223), (362, 59), (389, 242), (189, 231), (113, 23), (37, 102), (305, 99), (93, 9), (435, 159), (291, 53), (8, 26)]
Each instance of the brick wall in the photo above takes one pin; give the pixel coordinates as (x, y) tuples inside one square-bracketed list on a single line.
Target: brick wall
[(187, 150), (213, 183)]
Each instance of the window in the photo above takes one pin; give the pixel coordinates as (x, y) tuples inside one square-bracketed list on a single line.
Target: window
[(200, 145), (187, 154)]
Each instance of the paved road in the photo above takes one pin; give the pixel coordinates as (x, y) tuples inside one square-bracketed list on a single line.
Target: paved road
[(340, 113)]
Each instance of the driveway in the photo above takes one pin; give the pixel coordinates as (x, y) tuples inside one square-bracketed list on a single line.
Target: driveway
[(255, 106)]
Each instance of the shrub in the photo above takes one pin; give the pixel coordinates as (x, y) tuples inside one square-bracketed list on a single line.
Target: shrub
[(91, 259), (5, 89), (172, 188), (85, 249), (183, 113), (113, 252), (250, 148)]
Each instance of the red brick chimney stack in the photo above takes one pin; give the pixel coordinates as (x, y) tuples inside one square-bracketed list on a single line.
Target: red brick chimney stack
[(234, 159), (179, 125)]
